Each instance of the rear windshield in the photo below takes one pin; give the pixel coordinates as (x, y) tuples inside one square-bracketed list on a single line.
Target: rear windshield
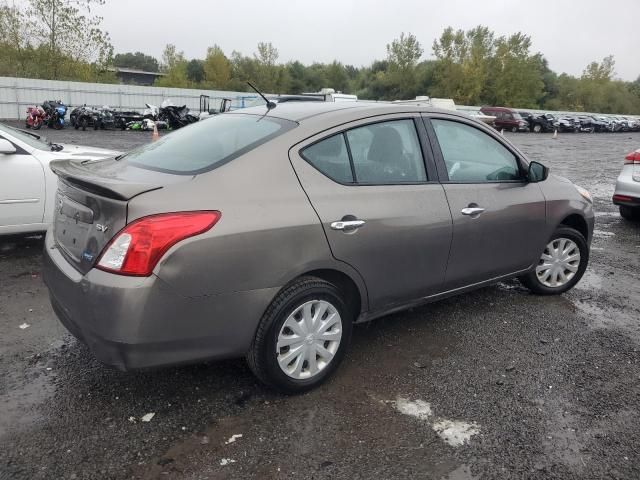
[(207, 144)]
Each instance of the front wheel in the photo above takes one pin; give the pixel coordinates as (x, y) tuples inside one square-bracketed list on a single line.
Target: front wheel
[(537, 128), (514, 129), (561, 264), (302, 336)]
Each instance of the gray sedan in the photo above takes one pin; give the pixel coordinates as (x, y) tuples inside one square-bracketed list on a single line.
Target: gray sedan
[(268, 233)]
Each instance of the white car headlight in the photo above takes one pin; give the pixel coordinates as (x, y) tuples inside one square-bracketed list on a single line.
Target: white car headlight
[(585, 193)]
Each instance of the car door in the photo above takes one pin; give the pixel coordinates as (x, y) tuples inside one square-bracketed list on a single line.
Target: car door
[(22, 188), (382, 211), (498, 216)]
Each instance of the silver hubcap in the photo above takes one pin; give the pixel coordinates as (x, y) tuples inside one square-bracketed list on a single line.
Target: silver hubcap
[(558, 263), (309, 339)]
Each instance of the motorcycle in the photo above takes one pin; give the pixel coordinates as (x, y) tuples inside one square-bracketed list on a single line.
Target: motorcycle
[(104, 118), (36, 117), (55, 111), (82, 117)]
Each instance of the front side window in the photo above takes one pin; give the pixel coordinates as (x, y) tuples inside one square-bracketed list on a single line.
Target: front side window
[(472, 156), (207, 144)]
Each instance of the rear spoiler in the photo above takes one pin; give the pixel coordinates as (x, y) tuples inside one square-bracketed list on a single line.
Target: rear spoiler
[(97, 180)]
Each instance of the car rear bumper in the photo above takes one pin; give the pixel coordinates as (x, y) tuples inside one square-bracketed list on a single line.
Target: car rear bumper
[(140, 322), (627, 190)]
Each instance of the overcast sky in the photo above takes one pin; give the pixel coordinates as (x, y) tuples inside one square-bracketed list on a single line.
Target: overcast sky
[(570, 33)]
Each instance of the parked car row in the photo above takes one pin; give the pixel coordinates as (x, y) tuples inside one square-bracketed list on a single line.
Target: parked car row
[(525, 121)]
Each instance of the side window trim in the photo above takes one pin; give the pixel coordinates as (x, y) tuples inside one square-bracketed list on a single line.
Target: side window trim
[(441, 166), (350, 155), (426, 150)]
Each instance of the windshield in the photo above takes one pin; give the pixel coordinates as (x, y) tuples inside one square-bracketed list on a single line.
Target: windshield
[(208, 144), (30, 139), (517, 116)]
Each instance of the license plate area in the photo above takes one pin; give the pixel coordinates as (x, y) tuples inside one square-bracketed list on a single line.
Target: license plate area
[(72, 226)]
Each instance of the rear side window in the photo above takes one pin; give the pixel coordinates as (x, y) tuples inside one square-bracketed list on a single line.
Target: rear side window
[(208, 144), (387, 152), (377, 154), (331, 158)]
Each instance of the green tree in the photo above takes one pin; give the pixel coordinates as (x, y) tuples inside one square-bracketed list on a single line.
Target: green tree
[(517, 80), (72, 34), (69, 43), (462, 70), (268, 72), (174, 65), (403, 55), (217, 68), (195, 71)]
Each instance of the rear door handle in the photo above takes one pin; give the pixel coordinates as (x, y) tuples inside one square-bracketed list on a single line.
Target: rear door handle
[(347, 225), (472, 211)]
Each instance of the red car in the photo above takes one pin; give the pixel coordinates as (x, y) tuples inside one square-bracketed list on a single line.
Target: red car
[(506, 119)]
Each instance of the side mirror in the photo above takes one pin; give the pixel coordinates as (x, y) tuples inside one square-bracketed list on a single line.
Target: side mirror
[(537, 172), (6, 147)]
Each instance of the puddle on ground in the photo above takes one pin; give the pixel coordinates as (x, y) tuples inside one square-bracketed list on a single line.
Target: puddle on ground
[(603, 234), (454, 432), (21, 401), (589, 281), (609, 317)]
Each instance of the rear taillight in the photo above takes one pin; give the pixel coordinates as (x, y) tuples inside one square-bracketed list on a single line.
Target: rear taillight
[(138, 247), (633, 157)]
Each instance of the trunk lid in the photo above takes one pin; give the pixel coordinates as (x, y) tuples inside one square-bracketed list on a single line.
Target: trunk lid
[(91, 204)]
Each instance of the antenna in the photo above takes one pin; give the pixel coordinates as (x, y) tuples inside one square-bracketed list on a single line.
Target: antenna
[(270, 104)]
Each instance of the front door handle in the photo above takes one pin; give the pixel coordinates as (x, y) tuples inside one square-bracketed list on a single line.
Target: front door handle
[(347, 225), (472, 211)]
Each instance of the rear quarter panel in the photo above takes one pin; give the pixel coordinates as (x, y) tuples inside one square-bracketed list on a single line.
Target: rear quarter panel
[(268, 233)]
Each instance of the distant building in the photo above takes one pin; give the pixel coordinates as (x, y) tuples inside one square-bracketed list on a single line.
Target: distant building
[(130, 76)]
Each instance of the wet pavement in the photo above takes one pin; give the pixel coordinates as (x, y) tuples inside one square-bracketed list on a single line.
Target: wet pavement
[(497, 383)]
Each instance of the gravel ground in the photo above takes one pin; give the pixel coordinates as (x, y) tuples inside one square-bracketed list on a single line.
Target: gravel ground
[(541, 387)]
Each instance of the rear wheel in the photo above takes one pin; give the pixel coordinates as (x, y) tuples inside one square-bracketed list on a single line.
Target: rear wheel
[(629, 213), (561, 264), (302, 336)]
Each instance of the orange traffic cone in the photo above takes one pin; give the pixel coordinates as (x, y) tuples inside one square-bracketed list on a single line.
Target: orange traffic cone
[(155, 135)]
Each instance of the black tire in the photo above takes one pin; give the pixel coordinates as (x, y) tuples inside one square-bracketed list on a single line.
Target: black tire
[(514, 129), (262, 356), (85, 123), (537, 128), (533, 283), (629, 213), (37, 125)]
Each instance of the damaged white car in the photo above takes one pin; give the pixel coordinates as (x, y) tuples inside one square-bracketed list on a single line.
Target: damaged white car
[(27, 185)]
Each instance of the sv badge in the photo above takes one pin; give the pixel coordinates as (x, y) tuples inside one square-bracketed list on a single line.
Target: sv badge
[(102, 228)]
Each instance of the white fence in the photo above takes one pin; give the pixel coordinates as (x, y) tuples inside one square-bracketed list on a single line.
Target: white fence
[(16, 94)]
